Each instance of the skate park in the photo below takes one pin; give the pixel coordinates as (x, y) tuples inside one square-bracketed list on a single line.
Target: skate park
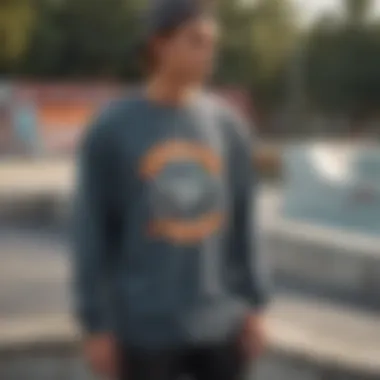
[(305, 76)]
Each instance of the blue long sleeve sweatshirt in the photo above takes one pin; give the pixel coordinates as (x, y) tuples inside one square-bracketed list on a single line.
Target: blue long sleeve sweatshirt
[(164, 235)]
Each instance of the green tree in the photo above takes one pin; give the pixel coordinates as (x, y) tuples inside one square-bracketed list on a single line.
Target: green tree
[(17, 18), (275, 36), (43, 57), (84, 39), (97, 39), (357, 11), (342, 65), (257, 41)]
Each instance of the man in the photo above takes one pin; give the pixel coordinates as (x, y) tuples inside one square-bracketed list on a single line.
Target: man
[(168, 282)]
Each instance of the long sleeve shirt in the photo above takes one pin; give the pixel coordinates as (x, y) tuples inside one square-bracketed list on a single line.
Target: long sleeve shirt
[(164, 224)]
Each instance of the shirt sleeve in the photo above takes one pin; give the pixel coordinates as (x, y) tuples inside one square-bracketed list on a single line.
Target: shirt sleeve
[(93, 228), (252, 275)]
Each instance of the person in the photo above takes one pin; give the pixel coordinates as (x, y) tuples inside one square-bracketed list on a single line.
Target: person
[(168, 281)]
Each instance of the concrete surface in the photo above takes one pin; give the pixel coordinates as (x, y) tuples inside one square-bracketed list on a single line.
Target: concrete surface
[(35, 192), (33, 273), (310, 339), (343, 265), (35, 302)]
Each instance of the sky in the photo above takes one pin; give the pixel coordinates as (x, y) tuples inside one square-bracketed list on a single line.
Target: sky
[(309, 9)]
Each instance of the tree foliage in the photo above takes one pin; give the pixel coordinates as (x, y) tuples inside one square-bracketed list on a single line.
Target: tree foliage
[(257, 42), (343, 59), (262, 49), (17, 19), (97, 39)]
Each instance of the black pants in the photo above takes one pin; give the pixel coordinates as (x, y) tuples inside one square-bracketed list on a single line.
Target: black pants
[(202, 363)]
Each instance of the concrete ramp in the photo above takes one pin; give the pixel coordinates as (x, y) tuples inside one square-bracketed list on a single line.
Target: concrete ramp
[(324, 237), (333, 185)]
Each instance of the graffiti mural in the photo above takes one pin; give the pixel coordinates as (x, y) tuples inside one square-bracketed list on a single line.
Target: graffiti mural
[(50, 118), (39, 119)]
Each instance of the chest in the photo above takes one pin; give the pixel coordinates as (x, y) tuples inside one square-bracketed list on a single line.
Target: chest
[(163, 147), (178, 176)]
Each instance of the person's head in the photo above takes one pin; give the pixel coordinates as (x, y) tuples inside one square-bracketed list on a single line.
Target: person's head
[(182, 40)]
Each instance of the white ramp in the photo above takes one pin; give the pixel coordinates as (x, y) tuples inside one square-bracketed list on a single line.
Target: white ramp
[(333, 185)]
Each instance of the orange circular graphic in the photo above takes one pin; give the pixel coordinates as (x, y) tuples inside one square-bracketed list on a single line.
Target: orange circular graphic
[(183, 180)]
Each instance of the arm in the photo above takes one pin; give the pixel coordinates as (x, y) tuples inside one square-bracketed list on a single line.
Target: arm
[(252, 281), (252, 278), (94, 212)]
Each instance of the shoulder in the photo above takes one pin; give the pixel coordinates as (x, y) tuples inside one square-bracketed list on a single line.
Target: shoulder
[(237, 126), (103, 127), (114, 112)]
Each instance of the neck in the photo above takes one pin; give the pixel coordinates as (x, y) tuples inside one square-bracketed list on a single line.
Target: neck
[(164, 91)]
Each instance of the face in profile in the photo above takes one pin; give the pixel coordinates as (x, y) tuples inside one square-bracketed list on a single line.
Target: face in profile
[(188, 53)]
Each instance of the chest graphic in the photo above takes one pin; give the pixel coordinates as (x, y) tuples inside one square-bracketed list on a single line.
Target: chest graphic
[(184, 191)]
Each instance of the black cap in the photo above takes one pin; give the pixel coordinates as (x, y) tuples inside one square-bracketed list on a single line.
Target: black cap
[(162, 16), (167, 15)]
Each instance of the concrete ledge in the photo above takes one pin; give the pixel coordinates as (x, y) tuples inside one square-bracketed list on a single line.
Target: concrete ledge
[(308, 340), (30, 176), (42, 209), (347, 241), (35, 192), (339, 338), (330, 262), (38, 335)]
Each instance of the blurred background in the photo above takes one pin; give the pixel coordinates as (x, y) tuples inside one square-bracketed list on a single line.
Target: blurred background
[(306, 73)]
